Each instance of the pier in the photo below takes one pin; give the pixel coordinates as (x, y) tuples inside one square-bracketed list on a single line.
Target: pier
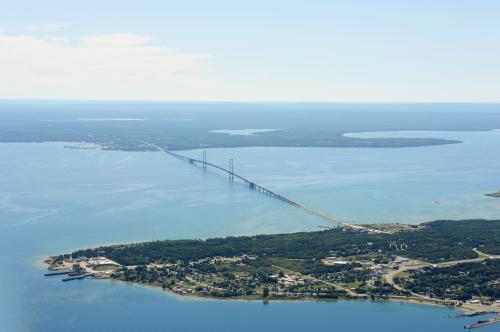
[(57, 273), (483, 323), (77, 277)]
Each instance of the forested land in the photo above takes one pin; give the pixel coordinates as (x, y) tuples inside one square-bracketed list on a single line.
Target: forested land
[(436, 241), (460, 282)]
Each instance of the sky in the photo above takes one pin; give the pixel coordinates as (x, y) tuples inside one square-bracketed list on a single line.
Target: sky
[(339, 51)]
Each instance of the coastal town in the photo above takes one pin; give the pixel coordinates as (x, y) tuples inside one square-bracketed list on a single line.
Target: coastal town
[(382, 269)]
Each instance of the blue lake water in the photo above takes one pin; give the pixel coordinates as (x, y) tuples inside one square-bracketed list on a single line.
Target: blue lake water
[(242, 132), (54, 200)]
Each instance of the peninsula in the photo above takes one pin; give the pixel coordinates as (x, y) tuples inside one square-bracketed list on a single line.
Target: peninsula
[(187, 126), (445, 262)]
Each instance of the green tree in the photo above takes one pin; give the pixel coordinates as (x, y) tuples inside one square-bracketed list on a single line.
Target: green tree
[(265, 292)]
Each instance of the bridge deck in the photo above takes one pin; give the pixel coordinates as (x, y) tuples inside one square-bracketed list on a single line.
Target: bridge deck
[(254, 186)]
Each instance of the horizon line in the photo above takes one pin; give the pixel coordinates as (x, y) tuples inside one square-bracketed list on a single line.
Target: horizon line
[(241, 101)]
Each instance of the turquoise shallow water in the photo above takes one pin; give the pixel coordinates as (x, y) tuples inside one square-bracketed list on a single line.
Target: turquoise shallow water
[(54, 200)]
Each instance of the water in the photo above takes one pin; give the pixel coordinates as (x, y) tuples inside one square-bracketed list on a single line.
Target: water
[(367, 185), (55, 200), (242, 132)]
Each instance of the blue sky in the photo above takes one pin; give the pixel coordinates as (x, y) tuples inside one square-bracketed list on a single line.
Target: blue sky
[(251, 50)]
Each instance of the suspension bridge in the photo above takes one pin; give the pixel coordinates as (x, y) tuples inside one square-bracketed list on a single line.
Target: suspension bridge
[(254, 186)]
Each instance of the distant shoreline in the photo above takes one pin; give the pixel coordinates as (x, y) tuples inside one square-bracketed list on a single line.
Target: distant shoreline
[(497, 194), (347, 142)]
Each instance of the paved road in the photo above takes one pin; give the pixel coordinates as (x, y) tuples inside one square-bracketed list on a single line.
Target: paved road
[(419, 265), (304, 276)]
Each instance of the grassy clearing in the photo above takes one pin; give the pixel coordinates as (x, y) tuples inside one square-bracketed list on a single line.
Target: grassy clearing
[(106, 268), (402, 274)]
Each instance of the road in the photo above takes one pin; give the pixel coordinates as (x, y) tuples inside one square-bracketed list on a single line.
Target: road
[(304, 276), (420, 265)]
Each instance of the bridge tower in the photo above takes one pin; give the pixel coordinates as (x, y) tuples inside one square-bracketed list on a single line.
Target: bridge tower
[(231, 170), (204, 159)]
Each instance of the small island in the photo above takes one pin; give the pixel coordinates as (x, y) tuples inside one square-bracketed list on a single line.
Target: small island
[(446, 262), (497, 194)]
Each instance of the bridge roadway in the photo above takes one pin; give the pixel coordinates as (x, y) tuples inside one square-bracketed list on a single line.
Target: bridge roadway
[(254, 186)]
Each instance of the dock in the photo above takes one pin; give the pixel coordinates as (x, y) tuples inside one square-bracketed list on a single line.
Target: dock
[(471, 314), (77, 277), (57, 273), (483, 323)]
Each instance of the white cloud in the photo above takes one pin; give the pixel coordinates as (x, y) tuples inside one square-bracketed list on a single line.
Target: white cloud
[(105, 66), (46, 27), (116, 39)]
